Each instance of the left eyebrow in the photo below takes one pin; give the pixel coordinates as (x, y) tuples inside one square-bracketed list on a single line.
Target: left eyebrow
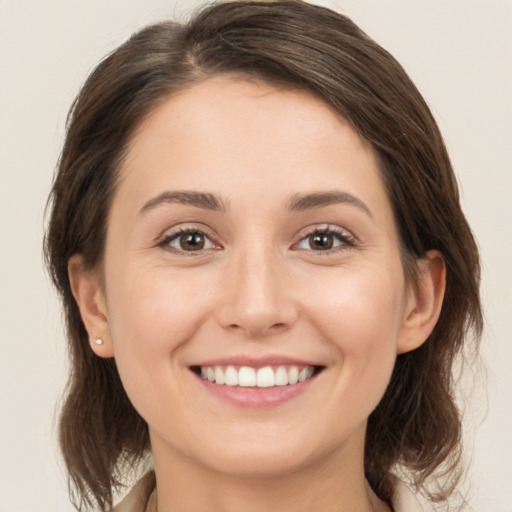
[(202, 200), (318, 199)]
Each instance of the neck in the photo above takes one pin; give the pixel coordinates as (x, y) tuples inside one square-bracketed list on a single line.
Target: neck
[(330, 485)]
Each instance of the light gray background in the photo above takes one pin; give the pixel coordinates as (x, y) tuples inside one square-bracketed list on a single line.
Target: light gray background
[(459, 52)]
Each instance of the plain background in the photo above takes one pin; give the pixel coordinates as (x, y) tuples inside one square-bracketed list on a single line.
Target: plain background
[(459, 53)]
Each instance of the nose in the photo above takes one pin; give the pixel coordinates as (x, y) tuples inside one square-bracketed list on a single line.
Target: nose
[(256, 299)]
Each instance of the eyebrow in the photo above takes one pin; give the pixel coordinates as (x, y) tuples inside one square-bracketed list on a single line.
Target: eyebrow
[(318, 199), (199, 199), (298, 202)]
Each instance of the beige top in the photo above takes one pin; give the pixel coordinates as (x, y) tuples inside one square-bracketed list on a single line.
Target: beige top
[(142, 498)]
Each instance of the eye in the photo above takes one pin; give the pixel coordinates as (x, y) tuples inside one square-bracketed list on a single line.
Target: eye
[(188, 240), (326, 239)]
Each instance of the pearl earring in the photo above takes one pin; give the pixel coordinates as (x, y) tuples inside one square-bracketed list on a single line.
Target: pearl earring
[(98, 341)]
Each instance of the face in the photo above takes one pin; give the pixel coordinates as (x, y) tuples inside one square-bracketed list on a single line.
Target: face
[(251, 240)]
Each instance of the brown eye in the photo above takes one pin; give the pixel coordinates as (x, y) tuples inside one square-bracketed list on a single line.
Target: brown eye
[(192, 241), (187, 241), (321, 241)]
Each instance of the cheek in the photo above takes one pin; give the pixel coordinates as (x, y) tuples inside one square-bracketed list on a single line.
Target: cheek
[(359, 315), (154, 308), (152, 313), (360, 306)]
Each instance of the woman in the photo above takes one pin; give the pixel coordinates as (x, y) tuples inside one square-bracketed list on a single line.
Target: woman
[(265, 269)]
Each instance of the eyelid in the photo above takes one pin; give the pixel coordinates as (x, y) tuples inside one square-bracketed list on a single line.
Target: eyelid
[(348, 239), (173, 232)]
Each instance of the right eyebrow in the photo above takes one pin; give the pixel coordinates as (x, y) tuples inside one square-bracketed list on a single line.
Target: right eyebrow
[(199, 199), (325, 198)]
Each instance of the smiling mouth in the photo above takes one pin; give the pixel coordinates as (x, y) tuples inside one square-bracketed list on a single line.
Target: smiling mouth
[(249, 377)]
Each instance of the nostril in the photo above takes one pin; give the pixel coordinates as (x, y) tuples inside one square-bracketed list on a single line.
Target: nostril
[(278, 327), (257, 329)]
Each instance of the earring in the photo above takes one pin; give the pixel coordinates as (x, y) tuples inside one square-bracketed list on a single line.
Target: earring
[(98, 341)]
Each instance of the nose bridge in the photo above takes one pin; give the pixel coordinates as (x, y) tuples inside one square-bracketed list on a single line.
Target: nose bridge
[(256, 298)]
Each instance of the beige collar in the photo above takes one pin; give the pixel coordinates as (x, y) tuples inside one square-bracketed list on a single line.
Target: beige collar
[(142, 498)]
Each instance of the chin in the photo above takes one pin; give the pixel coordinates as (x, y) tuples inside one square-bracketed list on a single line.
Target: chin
[(260, 464), (271, 456)]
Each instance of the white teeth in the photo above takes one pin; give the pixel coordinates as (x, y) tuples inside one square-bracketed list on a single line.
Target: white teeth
[(305, 373), (231, 377), (293, 375), (219, 376), (265, 377), (246, 377), (281, 376)]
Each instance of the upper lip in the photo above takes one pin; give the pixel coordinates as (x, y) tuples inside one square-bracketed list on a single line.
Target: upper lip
[(257, 362)]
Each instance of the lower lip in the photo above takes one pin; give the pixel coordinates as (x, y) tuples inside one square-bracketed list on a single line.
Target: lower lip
[(256, 397)]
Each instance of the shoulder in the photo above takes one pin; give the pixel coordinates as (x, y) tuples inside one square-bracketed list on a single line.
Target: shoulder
[(137, 500), (405, 501)]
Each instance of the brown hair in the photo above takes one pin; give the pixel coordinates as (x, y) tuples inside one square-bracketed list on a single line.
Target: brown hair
[(287, 43)]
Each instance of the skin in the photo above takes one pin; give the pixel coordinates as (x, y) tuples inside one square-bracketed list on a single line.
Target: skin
[(258, 287)]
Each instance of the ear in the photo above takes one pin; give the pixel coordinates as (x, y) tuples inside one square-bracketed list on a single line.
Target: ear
[(86, 288), (424, 302)]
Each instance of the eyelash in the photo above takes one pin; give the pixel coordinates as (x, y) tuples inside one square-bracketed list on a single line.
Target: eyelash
[(347, 241), (170, 237)]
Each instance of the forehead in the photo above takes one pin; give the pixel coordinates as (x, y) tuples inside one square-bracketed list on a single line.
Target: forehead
[(222, 101), (204, 114), (225, 132)]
